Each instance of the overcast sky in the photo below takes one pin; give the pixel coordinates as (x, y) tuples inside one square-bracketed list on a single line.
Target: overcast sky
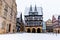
[(50, 7)]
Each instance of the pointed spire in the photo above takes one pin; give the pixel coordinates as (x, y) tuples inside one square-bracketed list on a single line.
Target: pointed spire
[(21, 17), (30, 7), (53, 18), (35, 8), (59, 17)]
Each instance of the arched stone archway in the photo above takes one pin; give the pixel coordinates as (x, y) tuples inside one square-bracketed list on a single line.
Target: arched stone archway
[(28, 30), (51, 30), (58, 31), (9, 27), (38, 30), (33, 30)]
